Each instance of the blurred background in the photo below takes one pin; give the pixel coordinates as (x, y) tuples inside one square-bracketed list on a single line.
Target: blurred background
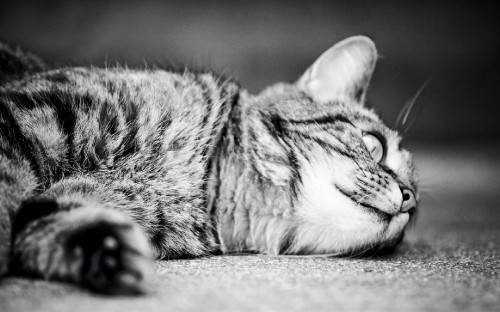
[(455, 44)]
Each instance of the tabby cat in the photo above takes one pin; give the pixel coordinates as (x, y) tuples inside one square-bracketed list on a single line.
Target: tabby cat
[(104, 170)]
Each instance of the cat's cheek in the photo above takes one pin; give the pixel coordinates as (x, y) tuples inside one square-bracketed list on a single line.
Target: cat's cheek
[(336, 225), (327, 220)]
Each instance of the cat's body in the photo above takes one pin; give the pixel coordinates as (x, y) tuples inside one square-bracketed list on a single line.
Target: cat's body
[(103, 169)]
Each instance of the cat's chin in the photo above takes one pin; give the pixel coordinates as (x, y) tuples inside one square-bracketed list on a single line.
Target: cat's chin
[(381, 249), (365, 239), (394, 235), (396, 226)]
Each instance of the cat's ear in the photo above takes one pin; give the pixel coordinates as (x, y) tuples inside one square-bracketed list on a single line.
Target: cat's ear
[(343, 71)]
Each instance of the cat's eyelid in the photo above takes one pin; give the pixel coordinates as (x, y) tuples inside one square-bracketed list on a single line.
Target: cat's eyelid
[(378, 135), (383, 143)]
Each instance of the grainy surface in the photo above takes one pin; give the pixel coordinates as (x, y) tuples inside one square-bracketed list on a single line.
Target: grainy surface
[(449, 262)]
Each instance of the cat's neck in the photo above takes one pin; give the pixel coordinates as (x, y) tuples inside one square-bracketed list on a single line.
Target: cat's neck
[(249, 214)]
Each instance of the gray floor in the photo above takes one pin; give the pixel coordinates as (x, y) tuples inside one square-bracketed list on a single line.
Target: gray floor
[(449, 262)]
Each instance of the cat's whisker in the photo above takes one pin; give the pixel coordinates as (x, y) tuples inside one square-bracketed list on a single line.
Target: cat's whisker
[(403, 115), (361, 169), (427, 190), (351, 197), (359, 199), (429, 187), (358, 253), (440, 199), (427, 184), (362, 198)]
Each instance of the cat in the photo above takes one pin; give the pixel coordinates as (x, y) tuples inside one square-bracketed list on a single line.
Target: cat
[(103, 170)]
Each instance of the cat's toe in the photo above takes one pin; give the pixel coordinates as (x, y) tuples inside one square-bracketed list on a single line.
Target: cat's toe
[(115, 258)]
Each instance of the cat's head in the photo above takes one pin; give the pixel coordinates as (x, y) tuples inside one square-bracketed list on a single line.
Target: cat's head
[(352, 185)]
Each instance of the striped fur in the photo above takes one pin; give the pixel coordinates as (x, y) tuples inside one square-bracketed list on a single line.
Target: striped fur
[(102, 170), (290, 184)]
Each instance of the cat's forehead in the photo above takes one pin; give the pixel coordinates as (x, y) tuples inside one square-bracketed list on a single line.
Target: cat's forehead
[(287, 102)]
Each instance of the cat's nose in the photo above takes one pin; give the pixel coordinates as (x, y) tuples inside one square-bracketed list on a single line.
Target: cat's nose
[(409, 201)]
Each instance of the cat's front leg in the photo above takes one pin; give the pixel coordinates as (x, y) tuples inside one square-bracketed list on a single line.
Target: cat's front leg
[(78, 241), (5, 229), (17, 181)]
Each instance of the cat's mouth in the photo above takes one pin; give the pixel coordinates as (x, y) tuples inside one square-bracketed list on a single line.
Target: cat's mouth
[(366, 206), (383, 213), (379, 212)]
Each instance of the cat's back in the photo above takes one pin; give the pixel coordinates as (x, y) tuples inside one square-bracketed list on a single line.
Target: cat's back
[(116, 119)]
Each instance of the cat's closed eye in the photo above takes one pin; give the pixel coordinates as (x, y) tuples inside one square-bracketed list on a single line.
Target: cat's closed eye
[(375, 146)]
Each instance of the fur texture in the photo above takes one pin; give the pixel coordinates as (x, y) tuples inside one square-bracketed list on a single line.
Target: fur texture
[(102, 170)]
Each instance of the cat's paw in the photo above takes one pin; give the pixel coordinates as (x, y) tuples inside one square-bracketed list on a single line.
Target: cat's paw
[(113, 258)]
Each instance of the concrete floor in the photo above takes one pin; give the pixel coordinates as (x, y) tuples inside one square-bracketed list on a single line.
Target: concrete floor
[(450, 261)]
